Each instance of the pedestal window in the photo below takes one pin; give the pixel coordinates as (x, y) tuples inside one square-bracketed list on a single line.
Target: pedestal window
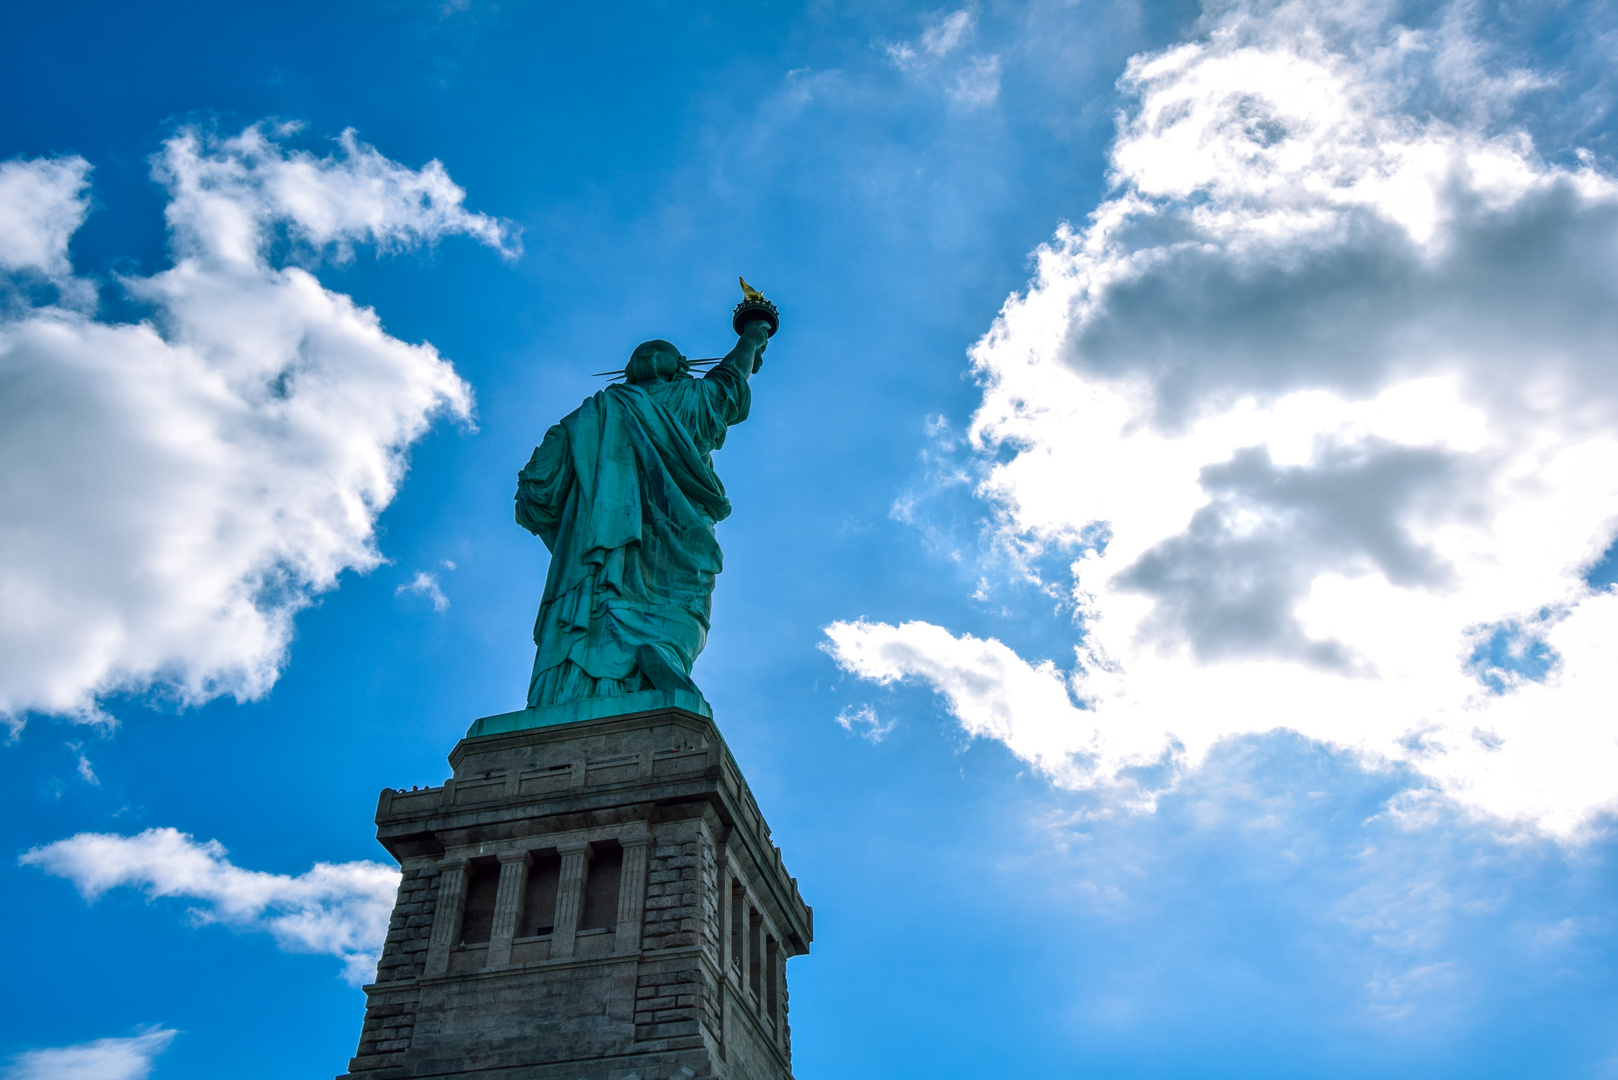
[(600, 910), (539, 899), (482, 886), (738, 910), (755, 955), (772, 993)]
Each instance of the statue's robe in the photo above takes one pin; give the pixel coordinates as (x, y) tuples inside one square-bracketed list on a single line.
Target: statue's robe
[(624, 494)]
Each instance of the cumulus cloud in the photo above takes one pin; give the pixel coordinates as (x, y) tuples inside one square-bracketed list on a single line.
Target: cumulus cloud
[(1320, 405), (339, 909), (104, 1059), (173, 491)]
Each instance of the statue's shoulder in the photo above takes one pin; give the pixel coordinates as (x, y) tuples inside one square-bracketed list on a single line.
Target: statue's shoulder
[(592, 407)]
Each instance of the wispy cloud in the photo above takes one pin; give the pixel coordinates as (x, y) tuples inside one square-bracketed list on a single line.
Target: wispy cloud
[(86, 772), (971, 81), (340, 909), (945, 33), (978, 84), (863, 720), (128, 1058), (1331, 374), (241, 442), (1360, 900), (425, 585)]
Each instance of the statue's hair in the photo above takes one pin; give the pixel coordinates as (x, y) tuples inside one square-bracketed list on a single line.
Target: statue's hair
[(654, 359)]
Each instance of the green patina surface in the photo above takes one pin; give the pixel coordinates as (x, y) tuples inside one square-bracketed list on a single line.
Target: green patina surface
[(624, 494), (590, 709)]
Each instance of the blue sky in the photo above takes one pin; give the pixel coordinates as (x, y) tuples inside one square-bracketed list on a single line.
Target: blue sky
[(1199, 665)]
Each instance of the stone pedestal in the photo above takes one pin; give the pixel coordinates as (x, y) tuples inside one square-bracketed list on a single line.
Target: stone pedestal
[(591, 900)]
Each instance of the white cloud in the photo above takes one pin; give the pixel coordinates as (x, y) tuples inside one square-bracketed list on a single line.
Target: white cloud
[(1321, 405), (104, 1059), (993, 692), (225, 197), (339, 909), (173, 491), (426, 585), (42, 204)]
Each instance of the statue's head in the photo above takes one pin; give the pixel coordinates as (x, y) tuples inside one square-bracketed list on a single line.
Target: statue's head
[(653, 360)]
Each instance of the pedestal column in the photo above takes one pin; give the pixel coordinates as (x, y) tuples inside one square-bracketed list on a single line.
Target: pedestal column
[(447, 918), (632, 893), (508, 906), (569, 898)]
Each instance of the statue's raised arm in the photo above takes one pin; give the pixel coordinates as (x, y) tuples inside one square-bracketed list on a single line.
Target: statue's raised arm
[(748, 354), (624, 494)]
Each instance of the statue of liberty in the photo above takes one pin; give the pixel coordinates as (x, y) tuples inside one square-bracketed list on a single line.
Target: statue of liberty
[(624, 494)]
